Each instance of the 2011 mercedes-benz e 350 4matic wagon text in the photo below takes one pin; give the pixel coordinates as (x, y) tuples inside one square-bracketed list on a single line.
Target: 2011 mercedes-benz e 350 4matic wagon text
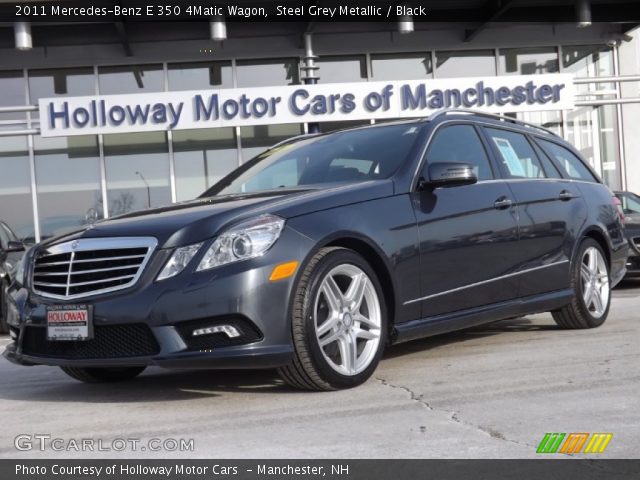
[(317, 253)]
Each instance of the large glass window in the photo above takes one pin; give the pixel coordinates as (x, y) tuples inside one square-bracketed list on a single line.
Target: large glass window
[(460, 144), (342, 69), (200, 76), (13, 93), (137, 167), (260, 73), (528, 61), (67, 183), (60, 82), (609, 145), (131, 79), (588, 60), (593, 130), (15, 192), (465, 63), (404, 66), (257, 139), (202, 157)]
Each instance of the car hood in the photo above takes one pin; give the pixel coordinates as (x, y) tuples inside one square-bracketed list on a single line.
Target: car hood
[(200, 219)]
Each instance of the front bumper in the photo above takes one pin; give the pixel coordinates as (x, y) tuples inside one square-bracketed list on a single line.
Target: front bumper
[(633, 266), (151, 323)]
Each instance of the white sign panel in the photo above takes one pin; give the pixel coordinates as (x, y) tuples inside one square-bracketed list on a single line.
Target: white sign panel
[(145, 112)]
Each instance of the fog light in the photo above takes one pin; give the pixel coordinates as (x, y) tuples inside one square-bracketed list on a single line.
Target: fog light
[(229, 330)]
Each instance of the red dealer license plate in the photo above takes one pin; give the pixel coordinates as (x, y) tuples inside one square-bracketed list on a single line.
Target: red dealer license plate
[(69, 322)]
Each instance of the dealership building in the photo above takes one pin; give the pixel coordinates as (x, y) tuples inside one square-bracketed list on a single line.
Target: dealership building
[(67, 161)]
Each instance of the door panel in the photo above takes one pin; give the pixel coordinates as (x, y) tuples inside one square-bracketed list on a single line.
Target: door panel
[(466, 243), (550, 212)]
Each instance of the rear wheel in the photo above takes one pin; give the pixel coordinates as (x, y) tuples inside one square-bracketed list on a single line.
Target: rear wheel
[(338, 323), (591, 284), (103, 375)]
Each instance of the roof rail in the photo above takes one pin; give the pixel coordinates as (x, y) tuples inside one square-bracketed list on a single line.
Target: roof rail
[(504, 118)]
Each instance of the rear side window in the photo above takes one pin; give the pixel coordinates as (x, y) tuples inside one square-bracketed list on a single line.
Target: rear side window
[(461, 144), (516, 154), (569, 162)]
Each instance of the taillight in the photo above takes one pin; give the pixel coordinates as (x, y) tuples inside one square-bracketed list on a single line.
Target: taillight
[(618, 204)]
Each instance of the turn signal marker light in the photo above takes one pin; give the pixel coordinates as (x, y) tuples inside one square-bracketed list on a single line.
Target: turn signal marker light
[(284, 270)]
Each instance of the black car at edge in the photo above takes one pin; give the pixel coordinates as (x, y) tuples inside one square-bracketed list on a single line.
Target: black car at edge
[(630, 203), (317, 253), (11, 249)]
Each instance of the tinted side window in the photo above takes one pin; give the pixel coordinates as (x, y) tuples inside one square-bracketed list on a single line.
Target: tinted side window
[(516, 154), (570, 163), (549, 167), (460, 143)]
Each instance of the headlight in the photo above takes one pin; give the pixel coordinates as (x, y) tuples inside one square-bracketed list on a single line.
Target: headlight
[(178, 261), (246, 240)]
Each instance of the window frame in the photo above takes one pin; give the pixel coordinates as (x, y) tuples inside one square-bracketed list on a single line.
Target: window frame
[(422, 163)]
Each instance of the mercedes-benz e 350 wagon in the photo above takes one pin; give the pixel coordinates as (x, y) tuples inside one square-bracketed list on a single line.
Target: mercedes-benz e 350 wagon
[(319, 252)]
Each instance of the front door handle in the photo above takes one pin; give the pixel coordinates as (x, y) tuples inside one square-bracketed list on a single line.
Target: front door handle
[(502, 203), (565, 195)]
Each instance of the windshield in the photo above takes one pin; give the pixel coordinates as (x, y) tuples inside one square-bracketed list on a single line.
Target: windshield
[(349, 156)]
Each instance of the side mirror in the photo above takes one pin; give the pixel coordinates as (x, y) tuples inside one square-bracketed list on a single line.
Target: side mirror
[(15, 247), (449, 174)]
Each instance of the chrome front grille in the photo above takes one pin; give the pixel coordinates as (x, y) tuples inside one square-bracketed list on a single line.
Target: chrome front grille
[(90, 266)]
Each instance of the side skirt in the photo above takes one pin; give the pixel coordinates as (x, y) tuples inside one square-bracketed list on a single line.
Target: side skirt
[(426, 327)]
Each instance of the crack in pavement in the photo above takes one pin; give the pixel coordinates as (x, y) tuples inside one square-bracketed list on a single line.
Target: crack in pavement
[(451, 415)]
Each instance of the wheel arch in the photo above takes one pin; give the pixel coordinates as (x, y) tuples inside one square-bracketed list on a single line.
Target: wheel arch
[(598, 235), (375, 258)]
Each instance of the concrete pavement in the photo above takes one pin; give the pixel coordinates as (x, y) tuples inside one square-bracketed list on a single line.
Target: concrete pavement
[(487, 392)]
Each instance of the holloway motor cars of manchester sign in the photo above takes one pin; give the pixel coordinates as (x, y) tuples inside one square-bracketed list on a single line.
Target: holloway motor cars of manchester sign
[(63, 116)]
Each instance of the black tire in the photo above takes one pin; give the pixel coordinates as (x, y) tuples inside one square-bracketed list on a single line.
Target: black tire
[(103, 375), (4, 327), (577, 315), (309, 369)]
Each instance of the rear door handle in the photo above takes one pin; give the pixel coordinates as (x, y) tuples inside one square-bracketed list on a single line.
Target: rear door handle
[(565, 195), (502, 203)]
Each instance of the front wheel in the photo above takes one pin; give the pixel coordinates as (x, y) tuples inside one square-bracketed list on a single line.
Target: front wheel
[(338, 323), (591, 284), (103, 375)]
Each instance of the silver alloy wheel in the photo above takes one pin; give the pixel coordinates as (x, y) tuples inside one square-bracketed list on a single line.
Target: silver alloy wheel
[(347, 319), (595, 282)]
